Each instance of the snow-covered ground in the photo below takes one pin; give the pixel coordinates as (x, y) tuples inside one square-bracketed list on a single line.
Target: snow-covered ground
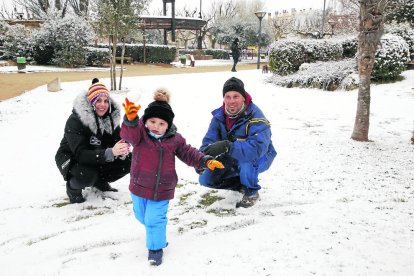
[(329, 205), (40, 68)]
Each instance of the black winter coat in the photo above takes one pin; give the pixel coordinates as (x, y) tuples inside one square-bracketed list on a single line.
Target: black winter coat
[(86, 137)]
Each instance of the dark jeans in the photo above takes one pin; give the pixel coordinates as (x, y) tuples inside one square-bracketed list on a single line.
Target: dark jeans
[(81, 176), (235, 61)]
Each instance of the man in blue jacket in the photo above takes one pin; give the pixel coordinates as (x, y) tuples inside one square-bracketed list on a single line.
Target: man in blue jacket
[(239, 136)]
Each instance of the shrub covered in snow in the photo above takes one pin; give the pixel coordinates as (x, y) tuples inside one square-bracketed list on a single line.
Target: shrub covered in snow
[(322, 50), (17, 42), (322, 75), (405, 31), (349, 47), (3, 29), (62, 41), (218, 53), (286, 56), (154, 53), (390, 58), (97, 56)]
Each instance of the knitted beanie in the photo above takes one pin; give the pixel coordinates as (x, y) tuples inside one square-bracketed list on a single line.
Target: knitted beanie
[(160, 108), (95, 91), (234, 84)]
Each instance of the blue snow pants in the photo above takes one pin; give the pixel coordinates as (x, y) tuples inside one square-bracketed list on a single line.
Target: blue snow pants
[(153, 215)]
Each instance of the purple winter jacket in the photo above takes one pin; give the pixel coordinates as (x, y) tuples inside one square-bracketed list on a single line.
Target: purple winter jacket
[(153, 174)]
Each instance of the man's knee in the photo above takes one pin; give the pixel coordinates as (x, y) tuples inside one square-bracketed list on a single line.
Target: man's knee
[(206, 179)]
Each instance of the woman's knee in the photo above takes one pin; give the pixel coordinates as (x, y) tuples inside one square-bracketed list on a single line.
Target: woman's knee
[(82, 176)]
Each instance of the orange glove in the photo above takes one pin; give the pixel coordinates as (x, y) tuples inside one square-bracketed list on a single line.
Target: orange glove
[(214, 164), (131, 110)]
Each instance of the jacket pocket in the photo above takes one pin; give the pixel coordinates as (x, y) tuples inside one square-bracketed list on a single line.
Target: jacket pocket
[(63, 162)]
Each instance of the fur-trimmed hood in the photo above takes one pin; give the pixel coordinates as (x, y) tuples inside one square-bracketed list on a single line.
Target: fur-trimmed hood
[(85, 111)]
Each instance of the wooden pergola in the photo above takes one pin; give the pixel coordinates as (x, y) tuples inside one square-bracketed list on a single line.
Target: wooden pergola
[(172, 23), (163, 22)]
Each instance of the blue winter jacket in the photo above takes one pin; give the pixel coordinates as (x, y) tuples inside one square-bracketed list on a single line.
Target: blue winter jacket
[(250, 135)]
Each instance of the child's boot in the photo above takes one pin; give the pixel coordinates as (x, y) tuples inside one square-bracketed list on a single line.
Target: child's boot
[(155, 257)]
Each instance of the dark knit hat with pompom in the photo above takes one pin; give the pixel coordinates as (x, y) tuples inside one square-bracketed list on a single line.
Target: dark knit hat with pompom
[(160, 108)]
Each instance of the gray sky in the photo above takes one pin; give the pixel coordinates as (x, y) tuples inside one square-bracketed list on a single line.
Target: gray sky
[(271, 5)]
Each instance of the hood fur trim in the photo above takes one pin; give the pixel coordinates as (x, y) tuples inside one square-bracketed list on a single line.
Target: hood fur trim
[(86, 114)]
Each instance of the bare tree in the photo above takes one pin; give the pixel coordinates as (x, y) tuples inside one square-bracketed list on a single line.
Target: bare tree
[(115, 20), (371, 26), (41, 8), (350, 6), (80, 7), (6, 13)]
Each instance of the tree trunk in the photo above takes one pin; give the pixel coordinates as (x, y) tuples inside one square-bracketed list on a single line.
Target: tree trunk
[(122, 63), (110, 62), (58, 5), (83, 7), (371, 25), (114, 38)]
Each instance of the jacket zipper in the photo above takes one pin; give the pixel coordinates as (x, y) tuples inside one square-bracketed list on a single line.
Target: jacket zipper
[(158, 173)]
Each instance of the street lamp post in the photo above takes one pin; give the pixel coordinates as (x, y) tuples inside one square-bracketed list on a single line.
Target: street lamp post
[(199, 37), (260, 15), (323, 18)]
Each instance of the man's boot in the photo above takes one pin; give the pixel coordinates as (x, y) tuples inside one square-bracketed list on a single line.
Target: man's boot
[(249, 199), (104, 186), (75, 195)]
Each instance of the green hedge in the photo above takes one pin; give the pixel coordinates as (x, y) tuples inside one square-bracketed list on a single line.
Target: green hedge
[(154, 53), (350, 47), (97, 56), (218, 53)]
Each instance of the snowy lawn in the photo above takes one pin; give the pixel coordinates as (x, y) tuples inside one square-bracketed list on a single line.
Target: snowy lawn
[(329, 205)]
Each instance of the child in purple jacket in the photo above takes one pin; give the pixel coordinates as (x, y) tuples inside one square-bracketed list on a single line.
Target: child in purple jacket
[(156, 142)]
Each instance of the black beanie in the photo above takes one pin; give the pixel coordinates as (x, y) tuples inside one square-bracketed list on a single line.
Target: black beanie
[(160, 108), (234, 84)]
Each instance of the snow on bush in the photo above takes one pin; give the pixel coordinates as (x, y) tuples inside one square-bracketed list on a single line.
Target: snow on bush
[(287, 55), (17, 42), (322, 75), (97, 56), (62, 41), (349, 47), (153, 54), (3, 29), (218, 53), (390, 58), (405, 31), (322, 50)]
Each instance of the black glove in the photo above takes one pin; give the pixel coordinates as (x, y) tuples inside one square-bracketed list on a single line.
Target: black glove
[(218, 148)]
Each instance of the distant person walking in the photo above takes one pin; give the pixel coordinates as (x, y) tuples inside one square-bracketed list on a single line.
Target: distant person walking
[(235, 52)]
